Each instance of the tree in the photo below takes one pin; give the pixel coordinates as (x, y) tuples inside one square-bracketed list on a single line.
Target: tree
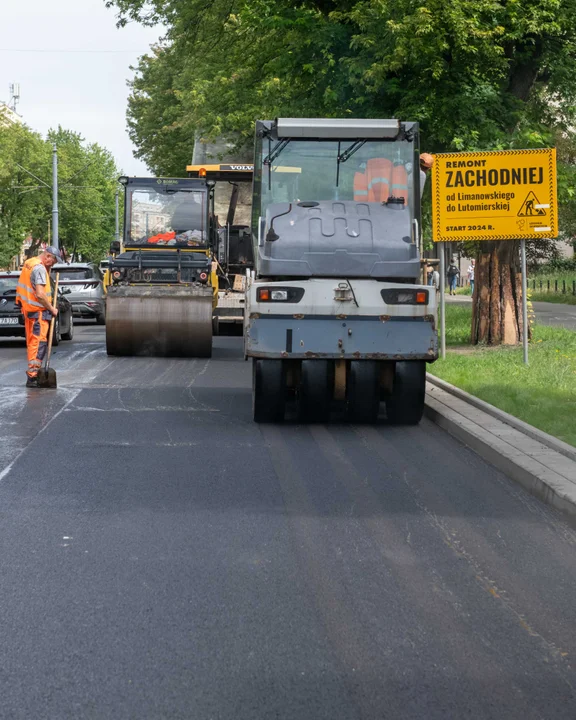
[(21, 213), (488, 74), (87, 184)]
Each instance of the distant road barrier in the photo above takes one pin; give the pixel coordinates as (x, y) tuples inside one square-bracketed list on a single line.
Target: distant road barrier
[(562, 287)]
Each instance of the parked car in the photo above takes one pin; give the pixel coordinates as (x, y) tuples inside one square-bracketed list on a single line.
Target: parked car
[(12, 320), (83, 285)]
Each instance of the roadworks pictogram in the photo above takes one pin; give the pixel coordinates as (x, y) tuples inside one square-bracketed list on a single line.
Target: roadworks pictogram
[(530, 207)]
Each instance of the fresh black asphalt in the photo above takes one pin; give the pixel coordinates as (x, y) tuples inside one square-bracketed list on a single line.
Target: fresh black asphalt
[(161, 556)]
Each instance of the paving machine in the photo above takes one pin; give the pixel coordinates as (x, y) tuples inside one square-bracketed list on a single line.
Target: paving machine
[(336, 319), (232, 205), (164, 282)]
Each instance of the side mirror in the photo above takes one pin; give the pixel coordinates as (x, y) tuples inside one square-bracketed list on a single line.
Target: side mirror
[(114, 247)]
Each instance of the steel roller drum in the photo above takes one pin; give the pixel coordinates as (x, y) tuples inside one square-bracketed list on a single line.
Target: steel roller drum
[(165, 321)]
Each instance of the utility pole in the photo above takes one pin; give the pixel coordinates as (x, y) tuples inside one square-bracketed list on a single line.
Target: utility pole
[(55, 238)]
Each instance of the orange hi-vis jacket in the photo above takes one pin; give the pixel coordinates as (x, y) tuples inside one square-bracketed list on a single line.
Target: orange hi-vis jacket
[(164, 237), (25, 294), (379, 176), (360, 187)]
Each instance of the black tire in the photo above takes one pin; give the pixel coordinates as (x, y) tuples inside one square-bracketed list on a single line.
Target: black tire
[(70, 334), (405, 405), (268, 391), (362, 392), (315, 391), (101, 319), (56, 337), (215, 326)]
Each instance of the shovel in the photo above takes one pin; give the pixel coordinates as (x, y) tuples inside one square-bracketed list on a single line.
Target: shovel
[(46, 374)]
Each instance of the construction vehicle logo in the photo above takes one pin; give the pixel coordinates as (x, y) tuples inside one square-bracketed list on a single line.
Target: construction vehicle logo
[(531, 207)]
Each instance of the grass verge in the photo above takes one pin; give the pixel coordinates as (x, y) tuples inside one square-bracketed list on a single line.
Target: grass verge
[(564, 298), (552, 297), (542, 394)]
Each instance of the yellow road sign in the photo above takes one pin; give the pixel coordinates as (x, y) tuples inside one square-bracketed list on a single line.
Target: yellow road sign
[(507, 195)]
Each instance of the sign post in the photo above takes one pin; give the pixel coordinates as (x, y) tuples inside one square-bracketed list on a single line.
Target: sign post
[(502, 195), (442, 301), (524, 301)]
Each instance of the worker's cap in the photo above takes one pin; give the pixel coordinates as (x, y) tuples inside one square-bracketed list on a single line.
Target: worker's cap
[(426, 160), (54, 251)]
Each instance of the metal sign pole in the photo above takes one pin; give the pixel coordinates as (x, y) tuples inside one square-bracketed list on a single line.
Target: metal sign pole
[(524, 301), (442, 302)]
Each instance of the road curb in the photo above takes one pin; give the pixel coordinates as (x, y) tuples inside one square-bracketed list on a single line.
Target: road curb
[(549, 440), (540, 468)]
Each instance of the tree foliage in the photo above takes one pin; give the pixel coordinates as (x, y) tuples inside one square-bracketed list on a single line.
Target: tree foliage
[(87, 184), (476, 74)]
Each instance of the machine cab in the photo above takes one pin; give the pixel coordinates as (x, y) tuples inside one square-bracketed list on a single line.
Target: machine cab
[(337, 198), (166, 212)]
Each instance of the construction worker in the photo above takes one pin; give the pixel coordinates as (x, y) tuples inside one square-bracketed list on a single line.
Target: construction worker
[(34, 295), (426, 163)]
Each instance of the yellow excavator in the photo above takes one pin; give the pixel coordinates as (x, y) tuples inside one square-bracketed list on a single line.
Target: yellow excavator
[(164, 279)]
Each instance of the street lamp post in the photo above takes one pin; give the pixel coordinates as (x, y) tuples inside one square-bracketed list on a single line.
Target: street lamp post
[(55, 238)]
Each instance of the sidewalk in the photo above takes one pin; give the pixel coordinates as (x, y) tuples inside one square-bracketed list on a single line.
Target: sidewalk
[(546, 313), (545, 466)]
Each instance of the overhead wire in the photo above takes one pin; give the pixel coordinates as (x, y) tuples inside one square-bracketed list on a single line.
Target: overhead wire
[(46, 50)]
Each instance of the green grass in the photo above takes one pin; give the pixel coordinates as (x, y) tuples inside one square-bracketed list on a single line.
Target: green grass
[(553, 275), (537, 296), (542, 394), (552, 297)]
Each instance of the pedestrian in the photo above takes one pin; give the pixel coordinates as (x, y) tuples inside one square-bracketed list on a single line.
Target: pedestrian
[(34, 295), (453, 274), (433, 277), (470, 273)]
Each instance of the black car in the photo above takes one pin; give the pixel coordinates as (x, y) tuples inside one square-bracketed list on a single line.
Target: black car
[(12, 320)]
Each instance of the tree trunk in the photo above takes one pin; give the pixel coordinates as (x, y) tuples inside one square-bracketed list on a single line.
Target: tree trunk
[(497, 300)]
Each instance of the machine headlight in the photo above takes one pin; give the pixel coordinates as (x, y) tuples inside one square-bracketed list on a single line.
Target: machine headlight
[(282, 294), (405, 297)]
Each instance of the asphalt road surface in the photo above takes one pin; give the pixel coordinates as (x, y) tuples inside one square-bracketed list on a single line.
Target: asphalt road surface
[(161, 556)]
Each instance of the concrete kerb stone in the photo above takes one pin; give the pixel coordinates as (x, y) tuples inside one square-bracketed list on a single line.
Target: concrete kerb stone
[(563, 448), (542, 470)]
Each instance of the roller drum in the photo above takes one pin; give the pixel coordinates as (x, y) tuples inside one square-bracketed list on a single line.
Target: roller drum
[(165, 321)]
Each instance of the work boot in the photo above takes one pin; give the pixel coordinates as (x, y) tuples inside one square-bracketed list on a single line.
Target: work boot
[(32, 382)]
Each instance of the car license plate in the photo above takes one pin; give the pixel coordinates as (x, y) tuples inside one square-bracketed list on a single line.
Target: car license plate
[(8, 321)]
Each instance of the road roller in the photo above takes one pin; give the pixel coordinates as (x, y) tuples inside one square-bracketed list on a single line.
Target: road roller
[(164, 283), (338, 324)]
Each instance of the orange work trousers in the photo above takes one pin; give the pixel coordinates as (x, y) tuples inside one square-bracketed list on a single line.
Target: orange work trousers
[(36, 325)]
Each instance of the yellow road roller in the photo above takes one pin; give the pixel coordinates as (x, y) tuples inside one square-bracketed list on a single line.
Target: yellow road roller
[(164, 283)]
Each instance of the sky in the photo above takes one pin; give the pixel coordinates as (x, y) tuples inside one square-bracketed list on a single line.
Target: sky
[(83, 91)]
